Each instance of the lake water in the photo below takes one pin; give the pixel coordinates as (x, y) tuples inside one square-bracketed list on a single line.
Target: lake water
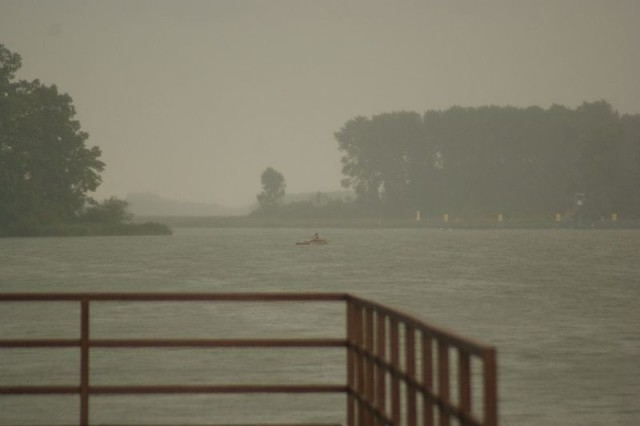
[(560, 305)]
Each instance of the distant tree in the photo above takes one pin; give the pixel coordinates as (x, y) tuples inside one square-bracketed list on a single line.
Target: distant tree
[(46, 169), (273, 190), (111, 210)]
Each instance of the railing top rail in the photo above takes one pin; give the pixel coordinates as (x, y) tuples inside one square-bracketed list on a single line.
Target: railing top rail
[(173, 297), (470, 345)]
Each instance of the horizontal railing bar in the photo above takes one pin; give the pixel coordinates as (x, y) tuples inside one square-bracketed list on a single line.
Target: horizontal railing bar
[(174, 297), (179, 343), (40, 343), (166, 389), (437, 332), (38, 390), (219, 343), (163, 389), (208, 424), (234, 424)]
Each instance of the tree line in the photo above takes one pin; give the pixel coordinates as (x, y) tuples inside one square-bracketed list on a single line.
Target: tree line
[(488, 160)]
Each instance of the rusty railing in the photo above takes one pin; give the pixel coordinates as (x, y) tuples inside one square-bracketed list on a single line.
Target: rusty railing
[(386, 350), (399, 368)]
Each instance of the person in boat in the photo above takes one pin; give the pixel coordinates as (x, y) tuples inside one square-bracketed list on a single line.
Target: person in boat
[(313, 240)]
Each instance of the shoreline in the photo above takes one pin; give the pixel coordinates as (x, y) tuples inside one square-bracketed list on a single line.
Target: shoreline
[(372, 223)]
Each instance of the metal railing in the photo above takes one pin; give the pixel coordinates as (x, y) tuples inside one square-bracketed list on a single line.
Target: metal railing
[(399, 369), (387, 348)]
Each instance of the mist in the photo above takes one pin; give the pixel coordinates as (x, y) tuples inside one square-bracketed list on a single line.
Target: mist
[(192, 100)]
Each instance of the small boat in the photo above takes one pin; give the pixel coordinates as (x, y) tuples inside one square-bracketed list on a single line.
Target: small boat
[(313, 242)]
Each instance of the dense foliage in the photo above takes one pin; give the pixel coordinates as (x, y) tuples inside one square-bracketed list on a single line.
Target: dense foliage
[(46, 169), (474, 161)]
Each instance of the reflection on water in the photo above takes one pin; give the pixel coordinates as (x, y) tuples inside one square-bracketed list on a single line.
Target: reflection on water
[(559, 305)]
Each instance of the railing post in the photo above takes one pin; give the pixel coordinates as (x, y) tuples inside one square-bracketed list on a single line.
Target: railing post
[(351, 386), (369, 375), (84, 362), (443, 379), (464, 383), (360, 365), (490, 388), (410, 358), (381, 353), (427, 378), (395, 364)]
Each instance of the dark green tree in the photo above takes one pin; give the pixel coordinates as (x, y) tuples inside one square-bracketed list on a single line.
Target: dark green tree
[(46, 169), (273, 190)]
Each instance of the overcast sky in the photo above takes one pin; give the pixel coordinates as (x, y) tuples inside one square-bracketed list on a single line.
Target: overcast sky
[(192, 100)]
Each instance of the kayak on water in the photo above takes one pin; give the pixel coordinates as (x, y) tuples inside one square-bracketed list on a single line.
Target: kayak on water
[(312, 242), (315, 240)]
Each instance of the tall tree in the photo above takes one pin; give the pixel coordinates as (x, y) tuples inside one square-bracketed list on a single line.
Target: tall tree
[(360, 161), (273, 190), (46, 169), (386, 160)]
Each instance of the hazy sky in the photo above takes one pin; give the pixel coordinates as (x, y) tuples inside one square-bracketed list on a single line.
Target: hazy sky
[(192, 100)]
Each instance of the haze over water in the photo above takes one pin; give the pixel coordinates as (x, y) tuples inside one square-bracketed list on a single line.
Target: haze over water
[(560, 305)]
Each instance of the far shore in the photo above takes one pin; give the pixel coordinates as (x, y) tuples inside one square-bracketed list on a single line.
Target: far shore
[(455, 223)]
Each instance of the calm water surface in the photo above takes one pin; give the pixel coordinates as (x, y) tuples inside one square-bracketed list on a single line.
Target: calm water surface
[(560, 305)]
